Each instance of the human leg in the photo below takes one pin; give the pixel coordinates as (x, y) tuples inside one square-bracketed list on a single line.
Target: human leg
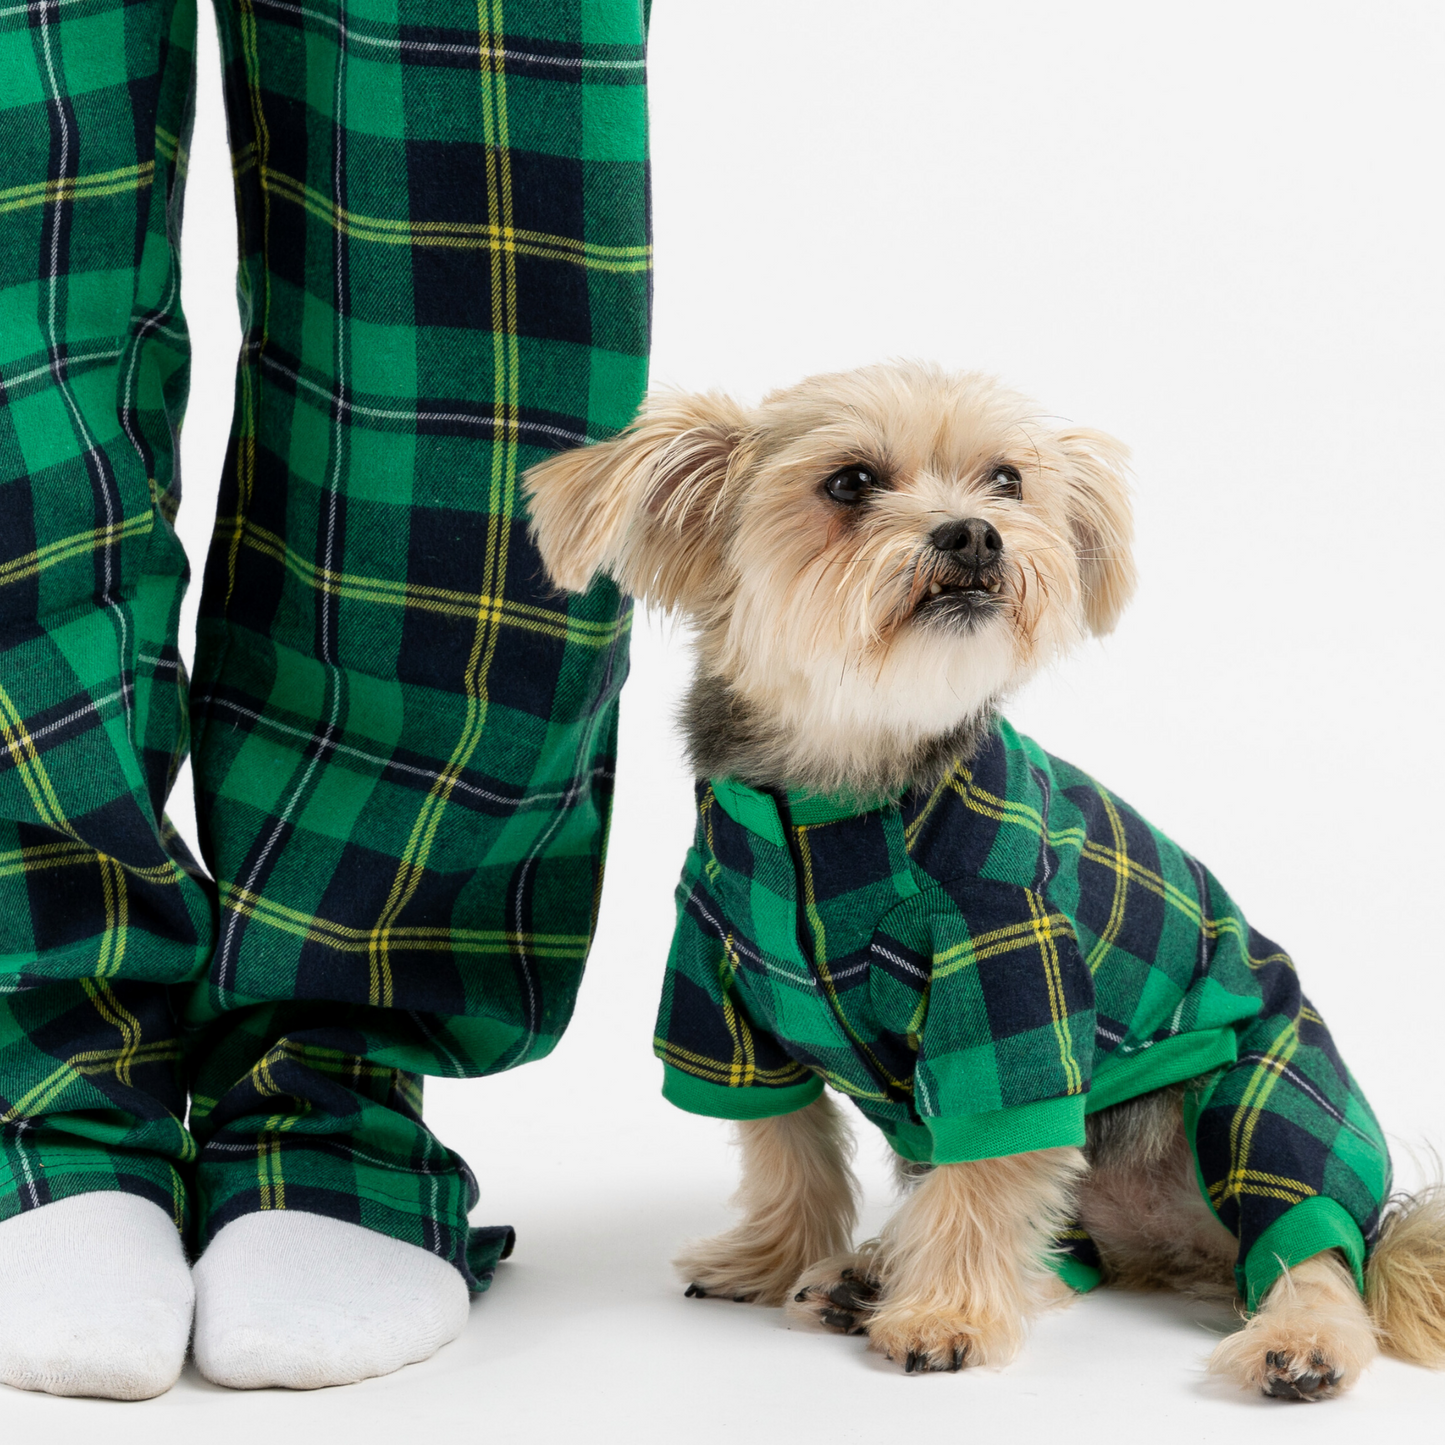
[(101, 909), (404, 739)]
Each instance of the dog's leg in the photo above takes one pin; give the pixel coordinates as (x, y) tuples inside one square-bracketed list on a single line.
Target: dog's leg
[(799, 1200), (841, 1293), (1309, 1339), (963, 1263)]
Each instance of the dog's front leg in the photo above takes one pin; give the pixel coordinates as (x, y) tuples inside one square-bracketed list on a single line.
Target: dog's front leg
[(963, 1263), (799, 1201)]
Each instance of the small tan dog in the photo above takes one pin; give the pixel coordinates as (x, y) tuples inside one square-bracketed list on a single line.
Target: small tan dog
[(872, 561)]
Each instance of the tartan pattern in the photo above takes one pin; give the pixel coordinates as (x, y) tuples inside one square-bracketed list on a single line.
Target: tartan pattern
[(980, 965), (403, 738)]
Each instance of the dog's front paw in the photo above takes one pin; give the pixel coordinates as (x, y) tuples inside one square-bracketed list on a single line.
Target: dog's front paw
[(839, 1295), (737, 1266), (925, 1340)]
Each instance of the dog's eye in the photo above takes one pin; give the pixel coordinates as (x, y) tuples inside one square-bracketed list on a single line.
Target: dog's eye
[(849, 483), (1007, 480)]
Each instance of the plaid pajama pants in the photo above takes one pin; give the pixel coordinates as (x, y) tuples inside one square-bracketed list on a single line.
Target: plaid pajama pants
[(402, 740)]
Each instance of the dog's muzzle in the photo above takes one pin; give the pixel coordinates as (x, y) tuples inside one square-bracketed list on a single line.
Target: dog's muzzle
[(967, 577)]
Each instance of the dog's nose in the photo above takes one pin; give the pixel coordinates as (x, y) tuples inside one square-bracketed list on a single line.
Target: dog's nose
[(975, 542)]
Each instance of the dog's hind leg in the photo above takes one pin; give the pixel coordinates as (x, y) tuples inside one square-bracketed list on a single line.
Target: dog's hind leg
[(799, 1201), (1309, 1339), (963, 1264)]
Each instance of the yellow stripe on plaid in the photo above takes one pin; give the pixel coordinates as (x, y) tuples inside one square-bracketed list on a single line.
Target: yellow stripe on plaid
[(21, 569), (463, 235), (744, 1061), (1265, 1076), (1044, 935), (413, 938), (995, 941), (506, 364), (39, 1098), (78, 188), (480, 606), (1261, 1185), (716, 1073)]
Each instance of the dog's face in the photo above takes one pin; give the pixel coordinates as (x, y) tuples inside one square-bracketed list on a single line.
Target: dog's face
[(870, 558)]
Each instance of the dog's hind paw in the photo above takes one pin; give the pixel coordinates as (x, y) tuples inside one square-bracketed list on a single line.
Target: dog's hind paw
[(1292, 1377), (1310, 1339), (838, 1299)]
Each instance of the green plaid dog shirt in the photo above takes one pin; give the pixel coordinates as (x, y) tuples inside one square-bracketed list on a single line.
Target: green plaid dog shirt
[(980, 966), (402, 736)]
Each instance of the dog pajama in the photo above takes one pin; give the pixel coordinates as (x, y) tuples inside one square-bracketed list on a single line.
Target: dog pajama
[(402, 736), (980, 966)]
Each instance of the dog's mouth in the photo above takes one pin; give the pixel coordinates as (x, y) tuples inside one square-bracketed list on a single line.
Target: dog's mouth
[(960, 598), (980, 588)]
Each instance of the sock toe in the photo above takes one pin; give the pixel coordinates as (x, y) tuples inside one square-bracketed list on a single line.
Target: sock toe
[(95, 1298), (302, 1301)]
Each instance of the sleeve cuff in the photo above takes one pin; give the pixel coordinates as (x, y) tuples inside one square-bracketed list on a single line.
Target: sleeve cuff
[(1048, 1124), (1309, 1228), (722, 1101)]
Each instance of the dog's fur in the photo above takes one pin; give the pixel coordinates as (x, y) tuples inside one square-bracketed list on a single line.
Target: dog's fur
[(838, 650)]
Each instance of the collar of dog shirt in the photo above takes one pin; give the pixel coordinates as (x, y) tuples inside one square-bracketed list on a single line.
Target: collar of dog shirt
[(758, 812)]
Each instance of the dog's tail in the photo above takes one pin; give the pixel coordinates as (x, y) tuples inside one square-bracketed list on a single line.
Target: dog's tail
[(1405, 1279)]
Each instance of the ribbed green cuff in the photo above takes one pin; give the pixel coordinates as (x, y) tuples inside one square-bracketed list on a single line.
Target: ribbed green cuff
[(1170, 1061), (1309, 1228), (1075, 1273), (1049, 1124), (722, 1101)]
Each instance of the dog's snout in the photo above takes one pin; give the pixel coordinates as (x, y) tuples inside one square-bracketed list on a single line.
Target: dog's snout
[(973, 542)]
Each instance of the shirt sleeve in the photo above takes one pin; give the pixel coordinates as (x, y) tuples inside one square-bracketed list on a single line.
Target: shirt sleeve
[(716, 1060), (1005, 1050)]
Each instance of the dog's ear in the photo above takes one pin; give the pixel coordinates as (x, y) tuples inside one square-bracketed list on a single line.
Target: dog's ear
[(1102, 522), (648, 507)]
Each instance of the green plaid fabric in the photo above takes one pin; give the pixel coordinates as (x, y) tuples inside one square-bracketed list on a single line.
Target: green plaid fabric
[(403, 739), (979, 966)]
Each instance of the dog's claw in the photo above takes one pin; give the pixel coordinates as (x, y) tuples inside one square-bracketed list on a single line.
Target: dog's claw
[(912, 1363), (1287, 1381), (694, 1291)]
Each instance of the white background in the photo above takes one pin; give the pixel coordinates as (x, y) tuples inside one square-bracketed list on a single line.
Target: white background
[(1214, 231)]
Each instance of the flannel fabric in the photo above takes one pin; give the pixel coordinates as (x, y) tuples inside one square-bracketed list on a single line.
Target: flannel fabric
[(403, 739), (979, 966)]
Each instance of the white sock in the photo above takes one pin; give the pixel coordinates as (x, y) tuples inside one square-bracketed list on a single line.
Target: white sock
[(302, 1300), (95, 1298)]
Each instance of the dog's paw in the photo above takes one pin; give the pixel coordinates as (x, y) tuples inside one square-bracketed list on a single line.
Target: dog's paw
[(1292, 1377), (736, 1266), (841, 1298), (1282, 1362), (929, 1341)]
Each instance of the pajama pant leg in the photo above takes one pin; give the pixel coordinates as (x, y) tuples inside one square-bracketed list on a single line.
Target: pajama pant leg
[(102, 912), (1290, 1155), (404, 737)]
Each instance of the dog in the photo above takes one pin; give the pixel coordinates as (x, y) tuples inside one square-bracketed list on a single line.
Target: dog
[(1090, 1069)]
